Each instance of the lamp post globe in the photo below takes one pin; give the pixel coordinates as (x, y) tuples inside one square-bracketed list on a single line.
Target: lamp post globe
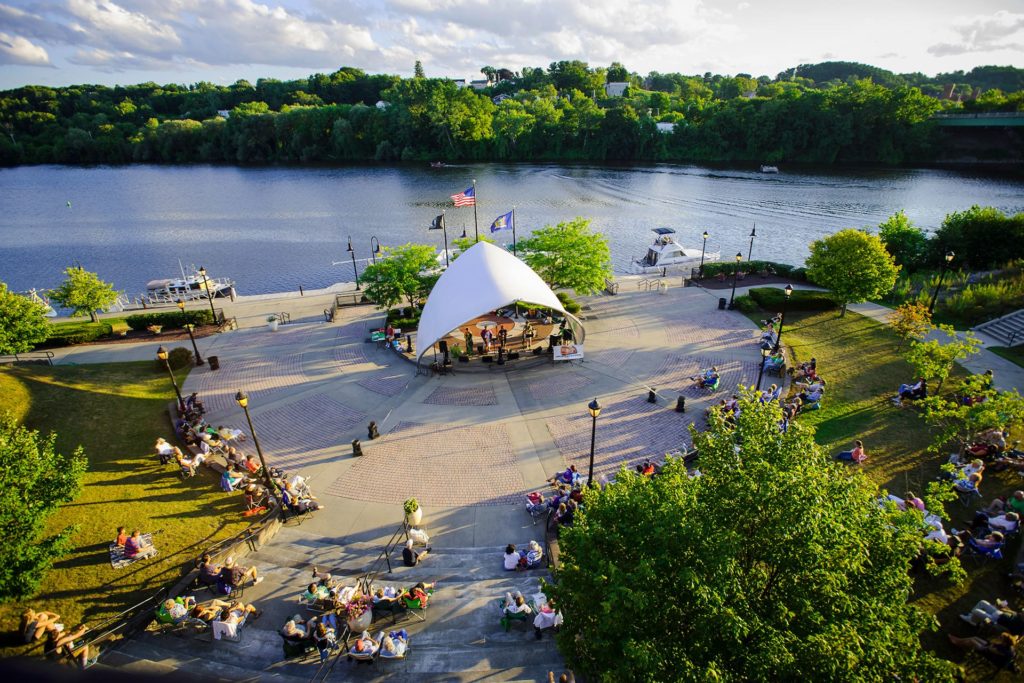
[(594, 408)]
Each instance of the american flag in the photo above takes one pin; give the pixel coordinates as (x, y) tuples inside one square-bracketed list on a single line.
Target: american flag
[(467, 198)]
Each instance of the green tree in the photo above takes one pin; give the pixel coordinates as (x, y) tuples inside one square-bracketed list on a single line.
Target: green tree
[(399, 274), (22, 322), (34, 481), (911, 321), (617, 73), (958, 423), (569, 255), (461, 244), (981, 236), (906, 242), (84, 292), (417, 70), (853, 265), (776, 564), (933, 358)]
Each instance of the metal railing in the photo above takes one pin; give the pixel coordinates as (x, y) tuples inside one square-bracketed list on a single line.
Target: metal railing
[(28, 357), (365, 582), (327, 665)]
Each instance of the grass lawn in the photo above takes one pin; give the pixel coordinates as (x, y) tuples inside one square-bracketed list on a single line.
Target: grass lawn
[(857, 356), (115, 412), (1014, 354)]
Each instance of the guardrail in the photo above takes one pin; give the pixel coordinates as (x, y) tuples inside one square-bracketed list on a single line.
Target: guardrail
[(384, 557), (28, 357), (327, 666)]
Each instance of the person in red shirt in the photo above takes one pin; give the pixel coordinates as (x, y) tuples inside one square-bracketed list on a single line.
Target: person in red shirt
[(122, 537)]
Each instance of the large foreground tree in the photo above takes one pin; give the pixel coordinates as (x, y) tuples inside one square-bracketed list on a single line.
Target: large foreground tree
[(776, 564), (853, 265), (22, 322), (569, 255), (34, 481)]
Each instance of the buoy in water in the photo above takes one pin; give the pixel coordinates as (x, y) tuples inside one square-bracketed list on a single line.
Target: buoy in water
[(69, 203)]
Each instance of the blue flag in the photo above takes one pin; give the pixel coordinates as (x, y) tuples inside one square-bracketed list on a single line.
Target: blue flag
[(502, 222)]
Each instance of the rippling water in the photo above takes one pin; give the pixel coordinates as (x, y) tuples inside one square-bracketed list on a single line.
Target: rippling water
[(273, 229)]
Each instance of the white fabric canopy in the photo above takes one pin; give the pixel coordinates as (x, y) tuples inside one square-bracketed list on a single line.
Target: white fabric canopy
[(484, 278)]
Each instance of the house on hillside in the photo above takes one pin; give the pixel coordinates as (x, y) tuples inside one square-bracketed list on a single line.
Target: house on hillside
[(615, 89), (665, 127), (459, 82), (224, 113), (498, 99), (481, 84)]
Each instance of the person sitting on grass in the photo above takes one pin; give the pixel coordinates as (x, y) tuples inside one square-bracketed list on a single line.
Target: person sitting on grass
[(230, 480), (857, 455), (252, 465), (773, 393), (235, 576), (122, 537), (910, 500), (164, 450), (813, 392), (807, 370), (188, 464), (410, 557), (34, 625), (999, 615), (911, 392), (138, 548), (1012, 503), (999, 649)]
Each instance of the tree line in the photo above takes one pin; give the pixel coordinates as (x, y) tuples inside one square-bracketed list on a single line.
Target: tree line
[(558, 113)]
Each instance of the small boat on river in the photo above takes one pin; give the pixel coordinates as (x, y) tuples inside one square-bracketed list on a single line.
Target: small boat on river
[(666, 252), (769, 169)]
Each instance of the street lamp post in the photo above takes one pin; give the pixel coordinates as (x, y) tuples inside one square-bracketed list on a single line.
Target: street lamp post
[(209, 294), (595, 409), (374, 248), (782, 320), (352, 253), (161, 354), (760, 373), (243, 400), (753, 234), (702, 250), (188, 326), (735, 273), (942, 273)]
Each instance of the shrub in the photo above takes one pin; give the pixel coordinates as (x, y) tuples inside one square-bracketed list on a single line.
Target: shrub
[(69, 334), (773, 298), (179, 357), (751, 267), (568, 303), (745, 304), (169, 320)]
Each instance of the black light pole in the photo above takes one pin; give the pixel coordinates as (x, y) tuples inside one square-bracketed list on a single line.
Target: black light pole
[(161, 353), (702, 250), (352, 252), (942, 274), (374, 248), (753, 234), (595, 409), (782, 320), (732, 297), (243, 401), (760, 373), (188, 326), (209, 294)]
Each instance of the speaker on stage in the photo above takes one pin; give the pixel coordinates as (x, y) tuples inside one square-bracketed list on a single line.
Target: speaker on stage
[(513, 355), (443, 346)]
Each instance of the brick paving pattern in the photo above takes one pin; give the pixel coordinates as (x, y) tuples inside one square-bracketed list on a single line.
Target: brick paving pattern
[(615, 358), (720, 329), (557, 385), (387, 383), (629, 429), (438, 464), (259, 378), (675, 372), (292, 434), (462, 396)]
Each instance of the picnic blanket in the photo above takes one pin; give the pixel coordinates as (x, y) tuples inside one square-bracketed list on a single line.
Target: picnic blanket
[(119, 561)]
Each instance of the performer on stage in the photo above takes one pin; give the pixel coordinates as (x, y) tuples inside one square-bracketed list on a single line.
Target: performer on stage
[(468, 336)]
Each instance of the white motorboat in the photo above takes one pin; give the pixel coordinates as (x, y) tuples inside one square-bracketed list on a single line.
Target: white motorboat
[(188, 288), (41, 299), (769, 169), (666, 252)]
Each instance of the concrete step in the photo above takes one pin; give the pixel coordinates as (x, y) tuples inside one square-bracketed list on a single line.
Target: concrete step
[(1008, 329)]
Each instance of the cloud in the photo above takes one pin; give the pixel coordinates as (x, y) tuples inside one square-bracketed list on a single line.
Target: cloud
[(18, 50), (1000, 31)]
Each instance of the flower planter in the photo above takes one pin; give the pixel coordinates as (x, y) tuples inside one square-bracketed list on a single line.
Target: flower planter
[(362, 622), (416, 517), (272, 324)]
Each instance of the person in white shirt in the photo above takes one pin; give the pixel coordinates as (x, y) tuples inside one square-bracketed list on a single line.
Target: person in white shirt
[(511, 558)]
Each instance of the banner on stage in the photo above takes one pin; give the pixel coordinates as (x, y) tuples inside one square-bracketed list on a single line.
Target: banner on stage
[(569, 352)]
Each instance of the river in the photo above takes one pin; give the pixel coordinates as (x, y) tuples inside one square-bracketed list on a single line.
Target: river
[(274, 229)]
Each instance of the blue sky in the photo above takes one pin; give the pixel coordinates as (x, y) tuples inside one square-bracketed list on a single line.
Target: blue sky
[(60, 42)]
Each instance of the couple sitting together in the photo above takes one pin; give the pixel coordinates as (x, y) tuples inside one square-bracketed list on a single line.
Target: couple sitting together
[(524, 559), (393, 645), (707, 379), (911, 392)]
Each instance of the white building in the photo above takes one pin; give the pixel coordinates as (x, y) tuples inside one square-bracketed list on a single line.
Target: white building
[(615, 89), (665, 127)]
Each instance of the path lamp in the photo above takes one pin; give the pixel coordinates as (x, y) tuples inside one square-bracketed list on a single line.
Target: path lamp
[(352, 253), (374, 248), (702, 250), (753, 234), (209, 294), (161, 354), (942, 273), (735, 273), (782, 320), (594, 408), (243, 400), (764, 359), (188, 326)]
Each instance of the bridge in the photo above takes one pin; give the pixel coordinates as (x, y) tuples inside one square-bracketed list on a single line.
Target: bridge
[(1000, 119)]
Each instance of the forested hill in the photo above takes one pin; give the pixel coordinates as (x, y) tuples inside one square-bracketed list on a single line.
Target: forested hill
[(559, 113), (967, 85)]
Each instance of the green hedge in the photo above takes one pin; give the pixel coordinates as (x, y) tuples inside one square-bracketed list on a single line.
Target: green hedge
[(169, 320), (568, 303), (403, 319), (69, 334), (745, 304), (755, 267), (773, 298)]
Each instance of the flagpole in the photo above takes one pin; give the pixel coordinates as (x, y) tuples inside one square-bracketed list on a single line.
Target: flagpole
[(513, 229), (476, 225), (444, 230)]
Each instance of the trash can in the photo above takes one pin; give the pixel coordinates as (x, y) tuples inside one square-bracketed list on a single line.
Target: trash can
[(721, 304), (214, 362)]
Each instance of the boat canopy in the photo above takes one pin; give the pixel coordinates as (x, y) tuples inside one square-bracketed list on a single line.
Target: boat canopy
[(664, 231)]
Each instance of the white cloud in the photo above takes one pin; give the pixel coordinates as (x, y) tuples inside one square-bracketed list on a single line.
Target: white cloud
[(18, 50), (1000, 31)]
